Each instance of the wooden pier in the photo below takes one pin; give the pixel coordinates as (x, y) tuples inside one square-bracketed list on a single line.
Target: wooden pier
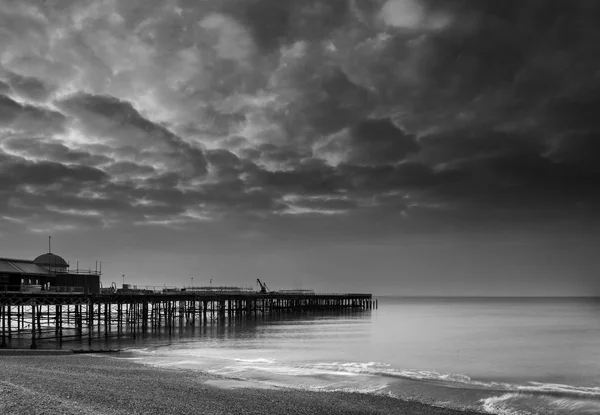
[(58, 317)]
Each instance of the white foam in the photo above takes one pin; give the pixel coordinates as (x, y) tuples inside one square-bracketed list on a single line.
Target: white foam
[(374, 368), (593, 392), (367, 390), (527, 404), (259, 360), (500, 405), (296, 370)]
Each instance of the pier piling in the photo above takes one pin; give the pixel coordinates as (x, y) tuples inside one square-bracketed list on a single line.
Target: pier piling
[(53, 316)]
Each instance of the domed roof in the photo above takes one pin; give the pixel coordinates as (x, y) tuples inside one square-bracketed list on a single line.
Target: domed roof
[(50, 260)]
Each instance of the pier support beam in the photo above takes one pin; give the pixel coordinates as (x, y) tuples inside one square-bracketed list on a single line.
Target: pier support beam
[(33, 343), (9, 323), (135, 315), (3, 312)]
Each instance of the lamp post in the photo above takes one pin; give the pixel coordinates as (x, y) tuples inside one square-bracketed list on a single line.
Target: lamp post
[(123, 280), (192, 283)]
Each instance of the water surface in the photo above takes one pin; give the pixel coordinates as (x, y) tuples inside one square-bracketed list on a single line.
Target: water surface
[(505, 356)]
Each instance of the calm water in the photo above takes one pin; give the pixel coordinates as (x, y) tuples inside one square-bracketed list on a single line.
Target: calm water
[(504, 356)]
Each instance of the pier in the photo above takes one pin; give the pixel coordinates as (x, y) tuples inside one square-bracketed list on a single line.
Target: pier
[(61, 316)]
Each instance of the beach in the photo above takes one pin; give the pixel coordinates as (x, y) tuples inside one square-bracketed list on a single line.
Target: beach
[(94, 384)]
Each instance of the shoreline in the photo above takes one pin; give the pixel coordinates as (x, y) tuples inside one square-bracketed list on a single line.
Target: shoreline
[(101, 384)]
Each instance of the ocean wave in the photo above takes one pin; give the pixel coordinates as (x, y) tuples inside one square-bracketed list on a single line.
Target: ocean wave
[(136, 350), (291, 370), (258, 360), (560, 390), (502, 405), (532, 404), (532, 398), (503, 398), (461, 380), (382, 369), (350, 369), (367, 390), (195, 353)]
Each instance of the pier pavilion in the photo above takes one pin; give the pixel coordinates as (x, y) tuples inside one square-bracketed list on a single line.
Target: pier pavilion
[(47, 272)]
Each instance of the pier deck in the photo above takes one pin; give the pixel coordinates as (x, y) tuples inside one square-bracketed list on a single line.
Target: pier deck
[(58, 316)]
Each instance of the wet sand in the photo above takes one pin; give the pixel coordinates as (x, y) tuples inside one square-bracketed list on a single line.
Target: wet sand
[(92, 384)]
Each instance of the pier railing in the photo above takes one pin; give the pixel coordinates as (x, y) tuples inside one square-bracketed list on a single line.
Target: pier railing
[(38, 289), (168, 291)]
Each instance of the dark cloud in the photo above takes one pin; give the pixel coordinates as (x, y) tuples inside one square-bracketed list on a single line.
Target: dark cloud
[(26, 86), (234, 198), (53, 151), (10, 109), (528, 187), (327, 205), (283, 157), (84, 196), (129, 168), (17, 172), (489, 62), (324, 102), (379, 142), (273, 23), (310, 177), (233, 142), (4, 88), (119, 122), (222, 158), (222, 123), (457, 145), (29, 118), (407, 176)]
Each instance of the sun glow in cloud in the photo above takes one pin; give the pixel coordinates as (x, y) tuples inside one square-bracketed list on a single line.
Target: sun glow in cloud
[(411, 14)]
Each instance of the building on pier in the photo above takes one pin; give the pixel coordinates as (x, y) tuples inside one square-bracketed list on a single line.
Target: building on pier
[(47, 272)]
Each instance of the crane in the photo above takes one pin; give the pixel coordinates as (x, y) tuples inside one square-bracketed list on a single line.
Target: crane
[(263, 287)]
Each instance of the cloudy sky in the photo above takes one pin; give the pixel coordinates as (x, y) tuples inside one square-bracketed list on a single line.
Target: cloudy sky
[(386, 146)]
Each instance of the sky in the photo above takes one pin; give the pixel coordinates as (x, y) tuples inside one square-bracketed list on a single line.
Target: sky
[(398, 147)]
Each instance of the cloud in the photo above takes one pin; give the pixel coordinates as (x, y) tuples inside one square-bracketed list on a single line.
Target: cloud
[(171, 113), (408, 176), (379, 142), (129, 168), (4, 88), (26, 86), (323, 103), (118, 124), (445, 148), (22, 172), (411, 14), (39, 148), (274, 23), (317, 205), (25, 118), (311, 177), (232, 40)]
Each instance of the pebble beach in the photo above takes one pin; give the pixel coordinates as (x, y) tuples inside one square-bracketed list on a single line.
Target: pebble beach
[(93, 384)]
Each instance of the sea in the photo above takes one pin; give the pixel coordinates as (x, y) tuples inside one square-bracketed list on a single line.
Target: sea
[(509, 356)]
